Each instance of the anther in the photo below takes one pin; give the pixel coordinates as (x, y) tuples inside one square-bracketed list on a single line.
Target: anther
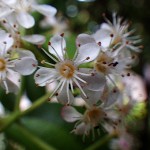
[(122, 75), (4, 21), (99, 43), (37, 85), (128, 74), (133, 57), (14, 25), (115, 64), (104, 62), (79, 45), (62, 35), (37, 75), (43, 62), (87, 58), (49, 43), (49, 99), (34, 65), (114, 91), (141, 46), (111, 35), (127, 42), (92, 74)]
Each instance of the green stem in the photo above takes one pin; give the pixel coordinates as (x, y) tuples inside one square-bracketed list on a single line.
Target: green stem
[(5, 122), (36, 104), (30, 139), (101, 142), (20, 93)]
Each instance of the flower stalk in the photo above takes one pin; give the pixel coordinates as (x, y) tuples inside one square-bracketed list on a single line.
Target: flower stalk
[(6, 122)]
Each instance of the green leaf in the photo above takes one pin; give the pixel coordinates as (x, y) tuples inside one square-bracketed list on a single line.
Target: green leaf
[(33, 92), (21, 136)]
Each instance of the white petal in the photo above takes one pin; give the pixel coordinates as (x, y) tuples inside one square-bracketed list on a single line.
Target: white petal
[(25, 66), (63, 97), (113, 96), (12, 87), (25, 53), (25, 20), (34, 39), (92, 97), (70, 114), (59, 44), (96, 82), (81, 129), (43, 76), (84, 39), (5, 11), (87, 52), (105, 26), (46, 10), (5, 38), (10, 2), (103, 36)]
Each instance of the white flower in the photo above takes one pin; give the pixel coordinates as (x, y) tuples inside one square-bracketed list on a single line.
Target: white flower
[(20, 11), (113, 63), (116, 33), (111, 60), (95, 114), (65, 71), (24, 63)]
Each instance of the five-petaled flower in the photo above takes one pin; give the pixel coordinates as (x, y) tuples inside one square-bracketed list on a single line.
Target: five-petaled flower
[(66, 71)]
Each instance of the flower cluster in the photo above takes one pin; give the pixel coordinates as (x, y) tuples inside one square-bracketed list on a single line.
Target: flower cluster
[(99, 72)]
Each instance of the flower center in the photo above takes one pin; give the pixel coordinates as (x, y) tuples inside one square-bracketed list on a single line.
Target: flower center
[(66, 69), (2, 64), (102, 63), (93, 116)]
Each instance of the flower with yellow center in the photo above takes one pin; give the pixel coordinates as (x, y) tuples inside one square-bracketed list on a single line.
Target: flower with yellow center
[(65, 71), (117, 33), (19, 10), (94, 115)]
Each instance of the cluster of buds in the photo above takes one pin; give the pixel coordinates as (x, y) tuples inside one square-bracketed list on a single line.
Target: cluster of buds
[(105, 83)]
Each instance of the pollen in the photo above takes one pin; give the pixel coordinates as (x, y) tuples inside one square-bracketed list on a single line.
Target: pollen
[(66, 69), (2, 64), (94, 115), (102, 62)]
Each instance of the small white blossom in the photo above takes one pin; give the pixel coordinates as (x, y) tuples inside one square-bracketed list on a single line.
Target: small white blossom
[(20, 10), (116, 33), (24, 63), (66, 70), (95, 114)]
